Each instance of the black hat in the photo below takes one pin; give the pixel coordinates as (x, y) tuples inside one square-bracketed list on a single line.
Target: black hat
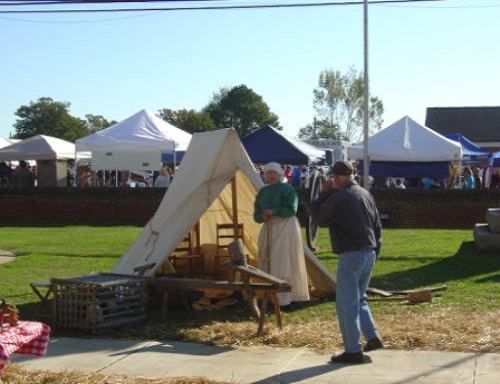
[(342, 168)]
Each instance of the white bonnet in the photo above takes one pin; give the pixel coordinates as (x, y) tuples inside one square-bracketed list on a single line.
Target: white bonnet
[(274, 167)]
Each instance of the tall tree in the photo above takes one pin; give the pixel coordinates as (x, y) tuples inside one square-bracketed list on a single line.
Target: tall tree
[(95, 123), (189, 120), (339, 103), (240, 107), (48, 117)]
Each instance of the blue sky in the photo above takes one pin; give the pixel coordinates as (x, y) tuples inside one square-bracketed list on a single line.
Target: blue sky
[(427, 54)]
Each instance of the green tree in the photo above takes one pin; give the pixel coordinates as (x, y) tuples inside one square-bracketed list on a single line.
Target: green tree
[(95, 123), (339, 102), (189, 120), (48, 117), (240, 107)]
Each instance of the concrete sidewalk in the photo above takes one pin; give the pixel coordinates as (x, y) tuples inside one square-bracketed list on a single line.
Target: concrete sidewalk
[(260, 365), (6, 257)]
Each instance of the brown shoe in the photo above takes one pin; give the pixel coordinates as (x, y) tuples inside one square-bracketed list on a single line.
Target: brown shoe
[(348, 358), (373, 344)]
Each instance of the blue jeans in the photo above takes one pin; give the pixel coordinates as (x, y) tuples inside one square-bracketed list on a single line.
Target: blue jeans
[(354, 316)]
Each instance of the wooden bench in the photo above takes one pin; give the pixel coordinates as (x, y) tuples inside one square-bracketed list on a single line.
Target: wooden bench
[(266, 284)]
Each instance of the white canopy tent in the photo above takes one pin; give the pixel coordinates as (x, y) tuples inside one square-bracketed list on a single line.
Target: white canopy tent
[(50, 153), (408, 149), (407, 140), (135, 143), (216, 183), (6, 142), (39, 148)]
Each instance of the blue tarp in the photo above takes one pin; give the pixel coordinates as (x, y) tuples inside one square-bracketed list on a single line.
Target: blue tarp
[(470, 151), (268, 144), (495, 159), (167, 157), (407, 169)]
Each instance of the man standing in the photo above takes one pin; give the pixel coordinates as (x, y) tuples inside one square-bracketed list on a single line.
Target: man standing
[(23, 178), (355, 230)]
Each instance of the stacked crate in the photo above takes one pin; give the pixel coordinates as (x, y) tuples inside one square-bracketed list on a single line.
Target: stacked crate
[(98, 302)]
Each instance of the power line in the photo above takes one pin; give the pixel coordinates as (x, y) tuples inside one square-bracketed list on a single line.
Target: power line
[(201, 8), (67, 2)]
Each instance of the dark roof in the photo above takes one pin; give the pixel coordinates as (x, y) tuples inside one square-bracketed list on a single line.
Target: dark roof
[(478, 124)]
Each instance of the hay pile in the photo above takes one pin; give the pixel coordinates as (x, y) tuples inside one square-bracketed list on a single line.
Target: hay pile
[(15, 374), (444, 329)]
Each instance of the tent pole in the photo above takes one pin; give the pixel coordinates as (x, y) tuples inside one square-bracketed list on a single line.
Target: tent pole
[(235, 207)]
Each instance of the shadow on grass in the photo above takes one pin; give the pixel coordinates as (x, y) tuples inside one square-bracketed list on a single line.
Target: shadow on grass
[(465, 264), (65, 255)]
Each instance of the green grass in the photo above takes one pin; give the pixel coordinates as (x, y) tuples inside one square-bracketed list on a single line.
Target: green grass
[(59, 252), (409, 259), (422, 258)]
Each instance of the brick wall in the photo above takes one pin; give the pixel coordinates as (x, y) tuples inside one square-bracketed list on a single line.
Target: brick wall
[(135, 206), (435, 208), (85, 206)]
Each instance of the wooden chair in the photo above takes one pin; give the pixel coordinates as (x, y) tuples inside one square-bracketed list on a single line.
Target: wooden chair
[(187, 259), (226, 234)]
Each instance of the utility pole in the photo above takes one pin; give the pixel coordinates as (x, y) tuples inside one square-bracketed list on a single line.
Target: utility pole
[(366, 159)]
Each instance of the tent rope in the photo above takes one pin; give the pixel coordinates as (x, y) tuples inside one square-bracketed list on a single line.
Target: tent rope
[(155, 234)]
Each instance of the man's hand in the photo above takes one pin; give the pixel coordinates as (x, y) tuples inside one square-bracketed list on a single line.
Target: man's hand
[(328, 186)]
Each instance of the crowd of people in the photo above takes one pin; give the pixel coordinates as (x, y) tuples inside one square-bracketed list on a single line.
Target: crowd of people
[(20, 176), (472, 177), (84, 176)]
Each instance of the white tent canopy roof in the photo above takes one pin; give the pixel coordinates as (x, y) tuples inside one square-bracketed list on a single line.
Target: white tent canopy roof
[(407, 140), (141, 130), (39, 147), (134, 143), (4, 142)]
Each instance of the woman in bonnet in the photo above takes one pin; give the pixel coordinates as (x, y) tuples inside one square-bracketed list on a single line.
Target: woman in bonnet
[(280, 240)]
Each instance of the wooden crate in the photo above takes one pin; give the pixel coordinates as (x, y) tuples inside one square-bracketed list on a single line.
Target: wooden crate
[(96, 303)]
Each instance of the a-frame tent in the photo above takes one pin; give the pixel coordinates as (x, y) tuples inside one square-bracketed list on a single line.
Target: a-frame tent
[(216, 183)]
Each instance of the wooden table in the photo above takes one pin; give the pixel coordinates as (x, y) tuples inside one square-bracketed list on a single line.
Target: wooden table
[(27, 337), (253, 281), (275, 285)]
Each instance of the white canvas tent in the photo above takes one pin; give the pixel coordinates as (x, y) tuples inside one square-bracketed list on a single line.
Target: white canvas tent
[(135, 143), (202, 190), (6, 142), (39, 148), (408, 149), (50, 153), (407, 140)]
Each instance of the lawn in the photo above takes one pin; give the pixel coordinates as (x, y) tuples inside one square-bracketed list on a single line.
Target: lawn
[(464, 317)]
